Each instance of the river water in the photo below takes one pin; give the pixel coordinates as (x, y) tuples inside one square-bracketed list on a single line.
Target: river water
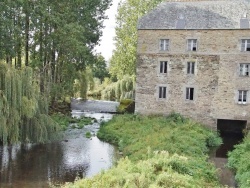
[(219, 157), (38, 165)]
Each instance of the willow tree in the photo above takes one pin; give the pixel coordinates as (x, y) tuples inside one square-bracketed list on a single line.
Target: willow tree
[(23, 109), (123, 60)]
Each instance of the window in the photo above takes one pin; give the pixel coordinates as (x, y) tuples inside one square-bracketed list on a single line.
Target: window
[(190, 67), (162, 92), (192, 44), (190, 93), (245, 45), (244, 69), (242, 97), (163, 66), (164, 44)]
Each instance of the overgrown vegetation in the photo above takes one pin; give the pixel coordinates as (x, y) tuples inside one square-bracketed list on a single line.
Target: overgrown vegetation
[(134, 133), (159, 171), (64, 121), (23, 108), (162, 152), (239, 160)]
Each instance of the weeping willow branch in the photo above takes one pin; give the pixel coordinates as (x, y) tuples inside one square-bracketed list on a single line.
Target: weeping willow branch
[(23, 108)]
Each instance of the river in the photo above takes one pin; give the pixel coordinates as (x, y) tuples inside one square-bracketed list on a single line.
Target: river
[(38, 165)]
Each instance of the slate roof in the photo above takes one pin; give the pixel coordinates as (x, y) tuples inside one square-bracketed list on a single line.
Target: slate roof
[(222, 14)]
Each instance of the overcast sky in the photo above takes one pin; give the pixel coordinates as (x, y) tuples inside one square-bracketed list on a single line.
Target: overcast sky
[(107, 44)]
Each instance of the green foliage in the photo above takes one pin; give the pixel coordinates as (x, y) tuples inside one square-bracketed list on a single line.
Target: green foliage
[(63, 34), (123, 60), (23, 108), (122, 89), (88, 134), (64, 121), (239, 160), (173, 133), (159, 171), (99, 68)]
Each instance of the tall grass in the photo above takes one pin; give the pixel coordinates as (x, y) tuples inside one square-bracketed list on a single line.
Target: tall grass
[(134, 133), (160, 152)]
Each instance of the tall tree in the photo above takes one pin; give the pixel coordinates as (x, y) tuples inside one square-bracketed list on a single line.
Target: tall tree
[(55, 37), (124, 57), (99, 68)]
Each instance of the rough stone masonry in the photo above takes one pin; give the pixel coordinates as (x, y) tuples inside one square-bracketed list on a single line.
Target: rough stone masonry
[(219, 81)]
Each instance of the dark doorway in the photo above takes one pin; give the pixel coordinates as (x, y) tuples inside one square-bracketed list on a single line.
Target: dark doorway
[(231, 132)]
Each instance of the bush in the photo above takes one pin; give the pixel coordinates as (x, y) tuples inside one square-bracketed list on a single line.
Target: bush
[(239, 160)]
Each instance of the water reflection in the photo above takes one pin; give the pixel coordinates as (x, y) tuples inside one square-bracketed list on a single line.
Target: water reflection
[(36, 165)]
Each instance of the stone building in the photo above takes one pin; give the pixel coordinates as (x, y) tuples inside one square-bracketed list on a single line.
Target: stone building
[(194, 59)]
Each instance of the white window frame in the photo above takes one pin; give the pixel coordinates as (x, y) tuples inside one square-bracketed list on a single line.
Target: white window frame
[(163, 67), (192, 45), (164, 44), (245, 45), (162, 92), (242, 96), (189, 93), (244, 69), (190, 67)]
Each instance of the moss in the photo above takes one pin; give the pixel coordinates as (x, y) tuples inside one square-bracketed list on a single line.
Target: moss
[(126, 105)]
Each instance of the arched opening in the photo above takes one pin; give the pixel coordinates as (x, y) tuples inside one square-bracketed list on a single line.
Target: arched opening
[(231, 132)]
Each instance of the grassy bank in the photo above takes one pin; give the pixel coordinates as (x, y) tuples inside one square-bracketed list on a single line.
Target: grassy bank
[(162, 152), (239, 160)]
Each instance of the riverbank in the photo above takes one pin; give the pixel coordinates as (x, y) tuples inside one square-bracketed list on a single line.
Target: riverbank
[(73, 156), (239, 160), (161, 151)]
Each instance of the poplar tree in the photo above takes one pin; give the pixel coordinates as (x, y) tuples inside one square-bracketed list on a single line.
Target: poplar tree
[(56, 39), (123, 60)]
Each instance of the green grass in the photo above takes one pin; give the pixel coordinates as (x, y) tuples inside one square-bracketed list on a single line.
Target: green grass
[(134, 133), (160, 152), (64, 121), (239, 161)]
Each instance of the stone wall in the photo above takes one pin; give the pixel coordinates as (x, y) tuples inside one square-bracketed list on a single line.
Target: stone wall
[(216, 80)]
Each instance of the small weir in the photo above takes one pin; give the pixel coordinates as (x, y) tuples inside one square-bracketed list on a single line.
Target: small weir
[(38, 165), (231, 132)]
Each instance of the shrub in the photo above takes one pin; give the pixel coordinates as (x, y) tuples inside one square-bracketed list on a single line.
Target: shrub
[(239, 160), (155, 172)]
